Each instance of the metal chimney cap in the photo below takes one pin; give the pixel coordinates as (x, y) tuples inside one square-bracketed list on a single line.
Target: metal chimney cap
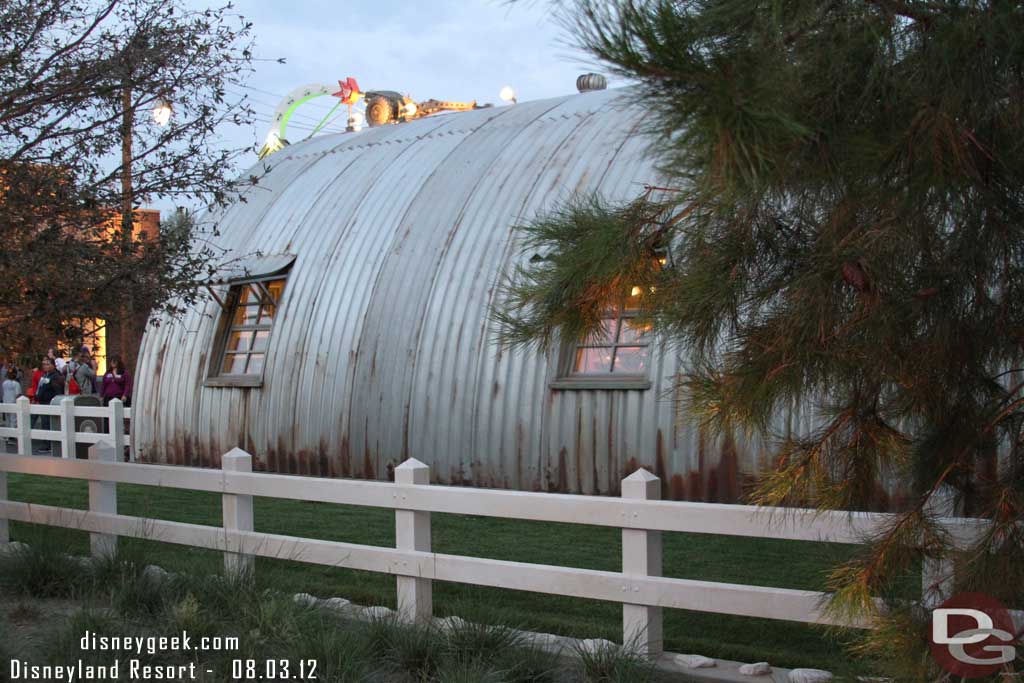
[(588, 82)]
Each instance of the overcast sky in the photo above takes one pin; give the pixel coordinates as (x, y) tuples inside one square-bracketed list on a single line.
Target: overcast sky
[(440, 49)]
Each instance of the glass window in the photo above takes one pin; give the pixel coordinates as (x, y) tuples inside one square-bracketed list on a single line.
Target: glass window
[(620, 348), (252, 307)]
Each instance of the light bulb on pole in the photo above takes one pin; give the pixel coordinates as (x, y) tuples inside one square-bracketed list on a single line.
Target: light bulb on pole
[(162, 112), (508, 94)]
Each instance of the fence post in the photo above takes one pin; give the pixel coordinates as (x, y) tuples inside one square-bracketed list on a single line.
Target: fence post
[(24, 425), (67, 427), (641, 556), (412, 532), (937, 574), (116, 427), (102, 498), (237, 510)]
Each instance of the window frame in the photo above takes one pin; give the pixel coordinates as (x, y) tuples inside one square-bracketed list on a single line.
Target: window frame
[(215, 376), (568, 379)]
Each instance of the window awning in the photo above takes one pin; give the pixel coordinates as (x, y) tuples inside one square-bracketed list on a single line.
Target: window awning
[(251, 268), (247, 269)]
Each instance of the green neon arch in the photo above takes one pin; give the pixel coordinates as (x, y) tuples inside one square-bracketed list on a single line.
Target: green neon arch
[(277, 136)]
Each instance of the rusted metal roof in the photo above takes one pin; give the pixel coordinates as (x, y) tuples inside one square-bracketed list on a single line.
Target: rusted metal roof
[(383, 348)]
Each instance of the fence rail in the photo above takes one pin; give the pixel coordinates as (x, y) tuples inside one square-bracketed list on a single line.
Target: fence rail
[(74, 425), (639, 587)]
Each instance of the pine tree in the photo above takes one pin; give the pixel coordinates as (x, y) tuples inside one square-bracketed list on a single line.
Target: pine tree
[(845, 230)]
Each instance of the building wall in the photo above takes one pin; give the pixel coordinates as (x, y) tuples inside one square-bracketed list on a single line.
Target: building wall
[(383, 348)]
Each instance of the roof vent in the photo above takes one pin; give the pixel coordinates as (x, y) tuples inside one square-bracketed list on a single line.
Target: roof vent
[(588, 82)]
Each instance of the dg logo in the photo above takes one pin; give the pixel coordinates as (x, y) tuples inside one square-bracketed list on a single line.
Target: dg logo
[(973, 635)]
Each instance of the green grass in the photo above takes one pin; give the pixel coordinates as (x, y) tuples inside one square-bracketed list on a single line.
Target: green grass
[(760, 562)]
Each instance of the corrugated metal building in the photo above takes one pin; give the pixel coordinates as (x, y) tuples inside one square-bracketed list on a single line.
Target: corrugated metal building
[(368, 340)]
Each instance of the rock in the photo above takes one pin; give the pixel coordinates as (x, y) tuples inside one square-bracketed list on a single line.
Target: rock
[(154, 573), (378, 612), (81, 561), (809, 676), (547, 641), (449, 624), (595, 645), (336, 603), (694, 661), (758, 669), (305, 599), (15, 547)]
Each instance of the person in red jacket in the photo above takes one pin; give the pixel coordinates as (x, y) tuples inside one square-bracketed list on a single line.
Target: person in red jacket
[(117, 383), (30, 390)]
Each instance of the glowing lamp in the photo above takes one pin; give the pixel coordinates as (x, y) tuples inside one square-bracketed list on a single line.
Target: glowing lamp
[(636, 291), (162, 112), (507, 94), (410, 109), (356, 121)]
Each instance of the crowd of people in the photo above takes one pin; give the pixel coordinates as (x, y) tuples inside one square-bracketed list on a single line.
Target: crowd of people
[(56, 376)]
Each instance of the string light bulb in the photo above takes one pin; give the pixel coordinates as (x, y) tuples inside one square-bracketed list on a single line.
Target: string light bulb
[(162, 112)]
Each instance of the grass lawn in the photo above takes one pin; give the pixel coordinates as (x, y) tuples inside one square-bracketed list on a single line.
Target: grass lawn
[(760, 562)]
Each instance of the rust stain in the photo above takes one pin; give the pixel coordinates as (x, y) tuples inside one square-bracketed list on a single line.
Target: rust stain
[(322, 467), (659, 462), (563, 475), (578, 450), (631, 466), (346, 457), (728, 468), (695, 487), (677, 487), (368, 469), (405, 433), (520, 443)]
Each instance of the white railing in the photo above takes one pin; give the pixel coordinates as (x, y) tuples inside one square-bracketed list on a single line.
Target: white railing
[(639, 587), (67, 428)]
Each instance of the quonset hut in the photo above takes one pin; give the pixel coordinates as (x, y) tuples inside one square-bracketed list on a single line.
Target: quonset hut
[(359, 334)]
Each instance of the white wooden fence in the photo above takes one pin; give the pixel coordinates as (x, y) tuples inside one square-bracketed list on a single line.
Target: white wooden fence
[(639, 587), (69, 417)]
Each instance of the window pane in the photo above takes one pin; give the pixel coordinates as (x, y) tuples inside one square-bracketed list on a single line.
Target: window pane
[(259, 342), (633, 331), (234, 364), (276, 288), (267, 315), (255, 363), (239, 341), (247, 295), (245, 315), (593, 361), (630, 360), (604, 335)]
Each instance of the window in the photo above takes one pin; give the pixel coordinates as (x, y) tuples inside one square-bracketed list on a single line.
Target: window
[(615, 357), (250, 309)]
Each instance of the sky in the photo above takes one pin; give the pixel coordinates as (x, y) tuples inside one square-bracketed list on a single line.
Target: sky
[(435, 49)]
